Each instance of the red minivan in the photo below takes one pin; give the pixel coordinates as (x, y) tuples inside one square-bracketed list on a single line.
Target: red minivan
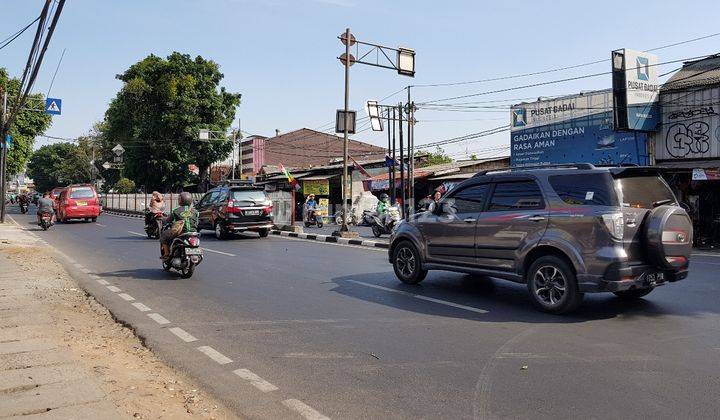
[(79, 201), (55, 195)]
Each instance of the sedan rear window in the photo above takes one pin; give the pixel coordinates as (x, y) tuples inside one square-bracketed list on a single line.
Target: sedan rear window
[(253, 196), (644, 192), (85, 192), (585, 189)]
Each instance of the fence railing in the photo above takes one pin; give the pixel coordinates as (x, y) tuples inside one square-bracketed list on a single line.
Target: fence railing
[(137, 203)]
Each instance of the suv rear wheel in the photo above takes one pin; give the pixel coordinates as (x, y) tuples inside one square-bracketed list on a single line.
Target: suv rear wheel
[(552, 285), (633, 294), (220, 231), (407, 264)]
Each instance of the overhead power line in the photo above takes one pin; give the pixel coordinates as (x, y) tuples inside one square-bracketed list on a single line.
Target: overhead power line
[(7, 41)]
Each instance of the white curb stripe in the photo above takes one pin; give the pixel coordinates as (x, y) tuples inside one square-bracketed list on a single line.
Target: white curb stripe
[(126, 297), (113, 289), (215, 355), (103, 282), (159, 319), (255, 380), (304, 410), (141, 307), (182, 334)]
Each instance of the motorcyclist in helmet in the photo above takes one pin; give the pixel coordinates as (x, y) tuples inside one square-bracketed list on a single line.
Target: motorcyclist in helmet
[(183, 219), (382, 207)]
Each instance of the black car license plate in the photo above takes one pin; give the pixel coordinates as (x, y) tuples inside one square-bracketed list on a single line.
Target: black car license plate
[(653, 279), (252, 212)]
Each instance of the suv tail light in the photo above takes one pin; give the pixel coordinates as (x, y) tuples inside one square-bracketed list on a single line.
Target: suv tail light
[(230, 208), (193, 241), (268, 210), (615, 224)]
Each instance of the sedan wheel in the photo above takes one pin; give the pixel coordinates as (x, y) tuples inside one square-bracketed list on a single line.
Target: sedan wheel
[(220, 232)]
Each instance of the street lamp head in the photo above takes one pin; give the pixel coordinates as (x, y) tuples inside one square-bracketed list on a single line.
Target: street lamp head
[(406, 61)]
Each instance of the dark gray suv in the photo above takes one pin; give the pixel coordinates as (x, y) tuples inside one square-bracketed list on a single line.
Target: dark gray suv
[(562, 230)]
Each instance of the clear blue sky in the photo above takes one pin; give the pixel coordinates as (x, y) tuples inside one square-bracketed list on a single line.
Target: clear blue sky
[(281, 54)]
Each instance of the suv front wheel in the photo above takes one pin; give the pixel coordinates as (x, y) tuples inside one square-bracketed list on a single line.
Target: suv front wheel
[(552, 285), (407, 264)]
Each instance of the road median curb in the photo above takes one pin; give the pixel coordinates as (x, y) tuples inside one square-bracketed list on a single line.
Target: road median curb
[(332, 239)]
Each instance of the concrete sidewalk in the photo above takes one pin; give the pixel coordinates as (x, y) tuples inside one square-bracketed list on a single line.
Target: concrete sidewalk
[(61, 354)]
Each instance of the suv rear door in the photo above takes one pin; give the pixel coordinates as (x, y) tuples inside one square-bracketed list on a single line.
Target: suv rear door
[(205, 208), (450, 235), (516, 215)]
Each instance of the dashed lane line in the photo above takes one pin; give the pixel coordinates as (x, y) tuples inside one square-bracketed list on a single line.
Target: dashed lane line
[(114, 289), (159, 318), (100, 224), (421, 297), (141, 307), (103, 282), (304, 410), (126, 297), (214, 355), (182, 334), (220, 252), (136, 233), (255, 380)]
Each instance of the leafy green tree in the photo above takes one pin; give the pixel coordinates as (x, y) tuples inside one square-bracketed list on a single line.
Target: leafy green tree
[(437, 158), (473, 157), (60, 164), (158, 112), (124, 186), (28, 124)]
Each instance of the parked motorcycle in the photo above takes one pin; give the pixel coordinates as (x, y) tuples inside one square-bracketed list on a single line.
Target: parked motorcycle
[(368, 217), (153, 224), (311, 218), (185, 254), (46, 220), (392, 218), (339, 218)]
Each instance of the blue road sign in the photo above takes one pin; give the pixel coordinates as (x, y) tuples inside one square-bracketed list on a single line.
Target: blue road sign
[(53, 106), (8, 141)]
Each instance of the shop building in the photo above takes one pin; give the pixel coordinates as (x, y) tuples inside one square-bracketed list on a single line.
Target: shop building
[(687, 143)]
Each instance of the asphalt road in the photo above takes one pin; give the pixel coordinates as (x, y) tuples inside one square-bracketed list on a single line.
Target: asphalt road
[(327, 330)]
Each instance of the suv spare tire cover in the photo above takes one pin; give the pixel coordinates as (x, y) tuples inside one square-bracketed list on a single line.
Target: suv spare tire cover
[(668, 232)]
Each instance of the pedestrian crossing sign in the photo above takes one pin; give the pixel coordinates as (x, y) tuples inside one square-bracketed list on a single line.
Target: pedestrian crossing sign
[(53, 106)]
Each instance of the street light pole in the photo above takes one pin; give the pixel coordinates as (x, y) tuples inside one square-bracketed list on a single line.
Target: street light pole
[(344, 190), (3, 155)]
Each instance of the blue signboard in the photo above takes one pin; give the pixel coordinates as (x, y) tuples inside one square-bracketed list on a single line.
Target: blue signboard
[(53, 106), (573, 130)]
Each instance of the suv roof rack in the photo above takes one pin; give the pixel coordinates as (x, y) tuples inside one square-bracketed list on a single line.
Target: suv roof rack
[(585, 166), (238, 183)]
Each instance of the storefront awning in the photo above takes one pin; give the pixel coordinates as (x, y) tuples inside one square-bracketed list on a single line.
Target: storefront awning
[(455, 177), (317, 177)]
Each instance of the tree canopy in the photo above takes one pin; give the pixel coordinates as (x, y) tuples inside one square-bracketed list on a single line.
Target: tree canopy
[(28, 124), (436, 158), (158, 112), (60, 164)]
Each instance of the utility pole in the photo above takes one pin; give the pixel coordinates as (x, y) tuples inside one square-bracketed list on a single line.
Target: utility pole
[(411, 152), (389, 153), (344, 190), (240, 147), (3, 132), (402, 161)]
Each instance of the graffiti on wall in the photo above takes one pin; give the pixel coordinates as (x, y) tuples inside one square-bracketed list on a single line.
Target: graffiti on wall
[(685, 140), (691, 113)]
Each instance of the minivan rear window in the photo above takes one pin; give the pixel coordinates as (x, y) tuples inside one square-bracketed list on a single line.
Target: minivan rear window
[(253, 196), (82, 192), (644, 192), (585, 189)]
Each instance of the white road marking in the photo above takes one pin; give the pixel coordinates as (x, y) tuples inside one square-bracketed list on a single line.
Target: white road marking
[(220, 252), (182, 334), (421, 297), (85, 270), (255, 380), (100, 224), (78, 265), (703, 254), (304, 410), (103, 282), (114, 289), (159, 319), (126, 297), (141, 307), (215, 355), (136, 233)]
